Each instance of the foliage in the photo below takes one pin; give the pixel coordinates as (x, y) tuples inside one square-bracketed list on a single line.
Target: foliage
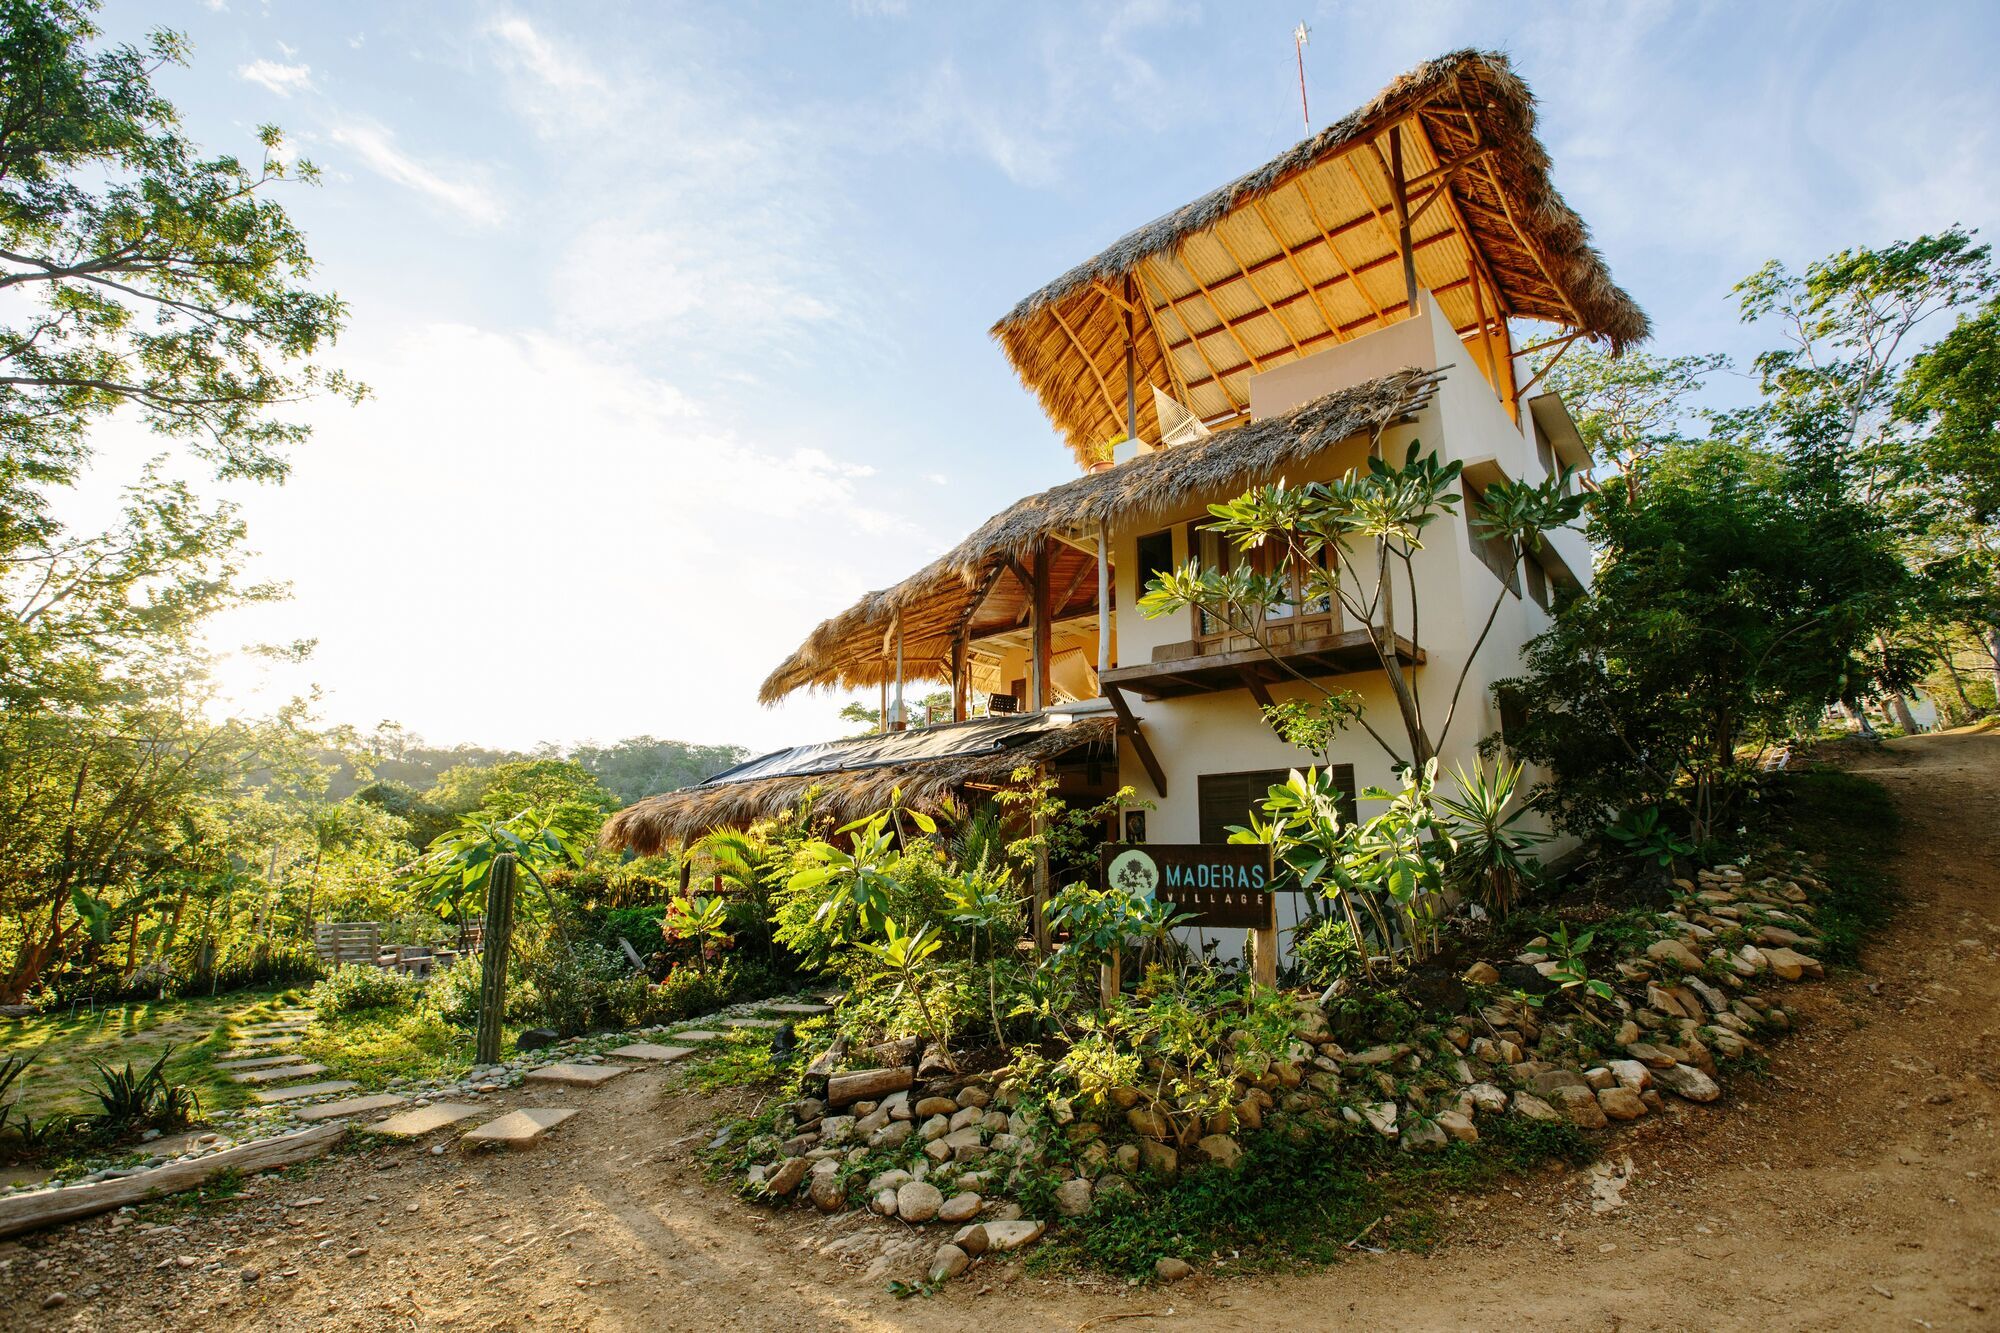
[(1735, 598), (354, 987), (704, 921), (1571, 974), (1351, 536), (129, 1098), (1631, 407), (451, 877), (1645, 836), (1325, 951), (1490, 855)]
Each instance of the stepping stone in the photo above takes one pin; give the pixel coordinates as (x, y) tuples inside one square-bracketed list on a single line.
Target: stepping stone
[(803, 1010), (277, 1075), (260, 1062), (698, 1034), (516, 1129), (753, 1022), (646, 1050), (272, 1029), (248, 1045), (381, 1101), (576, 1076), (423, 1120), (306, 1090)]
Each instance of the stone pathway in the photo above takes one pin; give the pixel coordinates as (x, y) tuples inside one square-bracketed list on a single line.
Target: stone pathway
[(306, 1090), (516, 1129)]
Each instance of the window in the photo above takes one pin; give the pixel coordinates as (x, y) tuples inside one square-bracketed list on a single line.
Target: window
[(1543, 450), (1156, 557), (1538, 582), (1228, 798), (1293, 618), (1496, 553)]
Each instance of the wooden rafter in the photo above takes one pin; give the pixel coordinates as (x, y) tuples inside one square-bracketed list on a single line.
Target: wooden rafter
[(1528, 242), (1298, 270), (1237, 259), (1187, 327), (1174, 377), (1216, 307), (1088, 360), (1339, 257)]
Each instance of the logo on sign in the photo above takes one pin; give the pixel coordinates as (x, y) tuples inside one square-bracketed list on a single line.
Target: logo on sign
[(1135, 872)]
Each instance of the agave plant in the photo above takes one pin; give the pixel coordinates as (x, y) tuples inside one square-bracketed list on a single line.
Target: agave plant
[(130, 1097), (1491, 856)]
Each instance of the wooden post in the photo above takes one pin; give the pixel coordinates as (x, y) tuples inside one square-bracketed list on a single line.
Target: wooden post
[(1103, 603), (1110, 979), (1040, 905), (958, 681), (900, 719), (493, 962), (1264, 957), (1038, 617), (1401, 190)]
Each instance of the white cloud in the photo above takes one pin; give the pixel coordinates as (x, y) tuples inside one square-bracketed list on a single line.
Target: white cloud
[(657, 563), (282, 79), (464, 194)]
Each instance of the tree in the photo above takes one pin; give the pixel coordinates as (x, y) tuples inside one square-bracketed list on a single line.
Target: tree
[(1632, 407), (1352, 535), (1737, 595), (144, 273)]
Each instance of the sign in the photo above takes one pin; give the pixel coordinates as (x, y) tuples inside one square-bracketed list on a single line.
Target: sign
[(1218, 884)]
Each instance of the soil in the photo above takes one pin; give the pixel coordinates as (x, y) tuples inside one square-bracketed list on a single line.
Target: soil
[(1858, 1184)]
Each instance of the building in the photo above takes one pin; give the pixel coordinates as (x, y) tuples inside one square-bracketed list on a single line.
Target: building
[(1362, 291)]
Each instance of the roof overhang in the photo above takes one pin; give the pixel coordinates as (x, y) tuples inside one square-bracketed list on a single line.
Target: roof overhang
[(1303, 253), (1552, 418)]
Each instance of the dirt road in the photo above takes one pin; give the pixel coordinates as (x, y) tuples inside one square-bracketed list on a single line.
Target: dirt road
[(1858, 1186)]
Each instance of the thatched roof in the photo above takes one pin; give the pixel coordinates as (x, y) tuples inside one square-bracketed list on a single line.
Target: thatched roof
[(1302, 254), (850, 779), (857, 647)]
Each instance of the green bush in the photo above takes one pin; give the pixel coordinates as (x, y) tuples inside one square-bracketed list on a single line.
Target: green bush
[(571, 985), (1325, 951), (355, 987), (453, 994)]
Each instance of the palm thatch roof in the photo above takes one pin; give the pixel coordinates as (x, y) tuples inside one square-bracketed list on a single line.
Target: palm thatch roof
[(1302, 254), (856, 648), (849, 779)]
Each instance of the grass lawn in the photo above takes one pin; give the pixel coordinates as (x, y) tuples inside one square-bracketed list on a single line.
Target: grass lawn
[(64, 1044)]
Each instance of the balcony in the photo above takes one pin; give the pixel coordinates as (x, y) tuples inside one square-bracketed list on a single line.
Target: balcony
[(1182, 669)]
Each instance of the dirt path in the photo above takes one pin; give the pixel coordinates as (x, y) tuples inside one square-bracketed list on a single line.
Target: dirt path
[(1854, 1188)]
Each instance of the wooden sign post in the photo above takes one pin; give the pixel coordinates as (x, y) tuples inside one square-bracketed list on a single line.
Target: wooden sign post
[(1222, 885)]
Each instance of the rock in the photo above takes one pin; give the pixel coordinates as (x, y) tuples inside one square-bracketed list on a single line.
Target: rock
[(883, 1202), (834, 1130), (949, 1262), (1488, 1098), (1073, 1197), (969, 1115), (872, 1121), (1620, 1103), (1004, 1236), (1147, 1123), (1115, 1187), (1377, 1055), (892, 1135), (931, 1106), (1550, 1082), (1535, 1108), (975, 1094), (971, 1239), (1673, 952), (1631, 1074), (1381, 1116), (1127, 1158), (918, 1201), (934, 1128), (1687, 1081), (1459, 1126), (1424, 1136), (1250, 1113), (787, 1176), (1158, 1158), (1172, 1270), (959, 1208), (888, 1180), (1220, 1149), (961, 1139), (1580, 1104), (1482, 974), (1651, 1056), (1790, 965), (536, 1039), (826, 1192), (1628, 1032)]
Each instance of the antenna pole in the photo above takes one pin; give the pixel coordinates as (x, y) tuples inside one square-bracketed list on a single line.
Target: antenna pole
[(1300, 36)]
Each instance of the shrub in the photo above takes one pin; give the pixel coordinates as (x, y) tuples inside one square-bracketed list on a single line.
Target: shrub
[(453, 994), (1325, 951), (354, 987), (571, 984)]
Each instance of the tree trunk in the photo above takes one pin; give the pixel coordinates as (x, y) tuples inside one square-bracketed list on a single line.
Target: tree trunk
[(493, 959), (1859, 717), (1899, 708), (1992, 639)]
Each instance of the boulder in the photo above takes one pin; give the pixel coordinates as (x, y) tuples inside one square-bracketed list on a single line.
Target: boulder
[(1171, 1269), (1220, 1149), (1790, 964), (892, 1135), (826, 1192), (1459, 1126), (1651, 1056), (1004, 1236), (1687, 1081), (1158, 1158), (1620, 1103), (1673, 952), (959, 1208), (786, 1177), (1381, 1117), (1535, 1108), (1147, 1123), (1073, 1197), (975, 1094), (918, 1201), (971, 1239), (1631, 1074), (949, 1262), (888, 1180), (1488, 1098), (883, 1202), (536, 1039), (1482, 974), (1424, 1136), (930, 1106), (1579, 1103)]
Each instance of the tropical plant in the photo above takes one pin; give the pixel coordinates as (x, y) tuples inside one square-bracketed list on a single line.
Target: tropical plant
[(1645, 836), (1491, 856), (902, 956), (129, 1097), (703, 919), (1571, 974)]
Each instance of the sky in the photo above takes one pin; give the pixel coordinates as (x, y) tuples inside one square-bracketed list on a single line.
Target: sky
[(675, 315)]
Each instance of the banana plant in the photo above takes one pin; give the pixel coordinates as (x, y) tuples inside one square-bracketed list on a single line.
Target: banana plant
[(902, 955), (701, 919)]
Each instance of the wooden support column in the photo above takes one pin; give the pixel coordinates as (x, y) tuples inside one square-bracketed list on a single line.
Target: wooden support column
[(1038, 619), (1401, 192), (1103, 603), (960, 686), (1039, 907)]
